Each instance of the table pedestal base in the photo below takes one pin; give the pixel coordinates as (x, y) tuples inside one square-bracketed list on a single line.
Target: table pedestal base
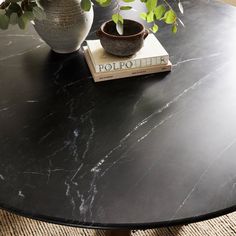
[(118, 233)]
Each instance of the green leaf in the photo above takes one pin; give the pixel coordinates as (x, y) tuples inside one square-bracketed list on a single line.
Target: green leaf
[(121, 20), (100, 1), (30, 6), (22, 22), (170, 17), (143, 15), (104, 3), (39, 13), (125, 7), (150, 17), (154, 28), (14, 1), (34, 4), (15, 7), (174, 29), (38, 3), (86, 5), (13, 19), (4, 22), (120, 28), (151, 4), (29, 15), (128, 0), (159, 11), (115, 18), (2, 12)]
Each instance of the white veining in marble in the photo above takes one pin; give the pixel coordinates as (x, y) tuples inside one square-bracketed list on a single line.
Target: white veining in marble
[(136, 104), (32, 101), (72, 109), (97, 175), (90, 138), (4, 109), (47, 172), (73, 204), (92, 192), (67, 188), (1, 177), (33, 173), (73, 144), (123, 140), (44, 137), (83, 207), (92, 132), (77, 171), (197, 59), (96, 170), (21, 53), (154, 127), (9, 43), (50, 171), (60, 149), (136, 143), (48, 115), (72, 84), (20, 194), (71, 198)]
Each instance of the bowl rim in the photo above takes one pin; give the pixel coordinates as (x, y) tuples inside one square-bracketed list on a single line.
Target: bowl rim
[(122, 36)]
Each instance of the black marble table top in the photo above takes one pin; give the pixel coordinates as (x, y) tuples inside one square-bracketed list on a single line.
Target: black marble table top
[(135, 153)]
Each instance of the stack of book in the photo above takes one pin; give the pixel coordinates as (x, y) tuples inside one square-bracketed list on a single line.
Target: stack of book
[(152, 58)]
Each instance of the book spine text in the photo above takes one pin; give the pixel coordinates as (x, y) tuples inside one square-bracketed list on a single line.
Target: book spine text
[(131, 64)]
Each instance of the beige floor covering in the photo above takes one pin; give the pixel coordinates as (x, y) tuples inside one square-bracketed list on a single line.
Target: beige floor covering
[(12, 225)]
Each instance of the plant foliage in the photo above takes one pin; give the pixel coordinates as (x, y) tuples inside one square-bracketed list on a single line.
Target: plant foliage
[(156, 11), (21, 12)]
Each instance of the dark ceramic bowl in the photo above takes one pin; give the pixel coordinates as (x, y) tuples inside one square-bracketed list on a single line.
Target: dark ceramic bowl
[(122, 45)]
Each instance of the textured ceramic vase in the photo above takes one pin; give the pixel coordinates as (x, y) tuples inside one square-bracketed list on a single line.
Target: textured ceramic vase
[(66, 25)]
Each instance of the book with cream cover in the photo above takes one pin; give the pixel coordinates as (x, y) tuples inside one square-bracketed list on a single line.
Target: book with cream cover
[(103, 76), (152, 53)]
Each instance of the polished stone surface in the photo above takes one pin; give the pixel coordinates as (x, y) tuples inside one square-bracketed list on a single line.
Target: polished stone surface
[(133, 153)]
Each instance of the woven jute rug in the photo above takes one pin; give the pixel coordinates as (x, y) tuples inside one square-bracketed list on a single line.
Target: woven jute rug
[(13, 225)]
